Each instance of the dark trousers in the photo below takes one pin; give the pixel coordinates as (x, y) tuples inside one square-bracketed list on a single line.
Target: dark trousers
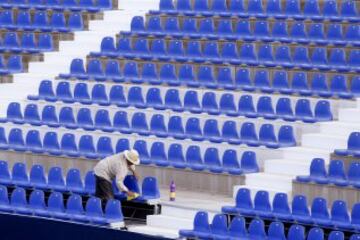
[(104, 189)]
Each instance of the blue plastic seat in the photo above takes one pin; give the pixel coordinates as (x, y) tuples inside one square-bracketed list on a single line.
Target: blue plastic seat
[(246, 106), (315, 234), (243, 30), (135, 97), (149, 74), (337, 59), (172, 27), (158, 49), (301, 57), (84, 119), (175, 156), (247, 54), (299, 210), (102, 121), (176, 48), (316, 33), (189, 28), (45, 91), (353, 60), (353, 34), (86, 147), (41, 22), (355, 237), (140, 50), (225, 79), (137, 24), (273, 8), (296, 232), (279, 30), (355, 85), (4, 200), (154, 99), (211, 52), (68, 145), (265, 108), (230, 133), (14, 113), (175, 127), (186, 76), (218, 226), (11, 42), (286, 136), (154, 26), (243, 81), (335, 34), (248, 162), (261, 30), (319, 212), (172, 100), (141, 147), (3, 140), (18, 202), (337, 173), (75, 210), (37, 203), (265, 56), (16, 140), (209, 103), (113, 211), (206, 77), (355, 216), (353, 145), (255, 8), (112, 71), (303, 111), (212, 160), (237, 228), (149, 189), (158, 155), (7, 19), (257, 229), (349, 11), (63, 92), (95, 71), (74, 181), (121, 122), (33, 142), (168, 75), (51, 144), (336, 235), (330, 10), (194, 159), (262, 207), (122, 145), (66, 118), (193, 130), (157, 126), (227, 105), (75, 22), (300, 83), (312, 10), (201, 227), (292, 9), (298, 32), (24, 20), (117, 97), (224, 28), (230, 162), (207, 28), (191, 102), (57, 22), (339, 215), (319, 59), (139, 124), (261, 81), (104, 147), (81, 93), (124, 48), (55, 179), (94, 211), (319, 85), (230, 53), (323, 111), (281, 209), (37, 177), (267, 136), (243, 204), (31, 115), (276, 231), (5, 178), (282, 56), (318, 172)]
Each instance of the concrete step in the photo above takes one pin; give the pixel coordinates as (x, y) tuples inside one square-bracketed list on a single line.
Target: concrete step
[(288, 166), (268, 180), (324, 141), (349, 114), (155, 231), (177, 211), (339, 128), (169, 222), (302, 153)]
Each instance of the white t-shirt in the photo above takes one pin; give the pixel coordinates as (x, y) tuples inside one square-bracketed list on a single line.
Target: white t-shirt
[(114, 167)]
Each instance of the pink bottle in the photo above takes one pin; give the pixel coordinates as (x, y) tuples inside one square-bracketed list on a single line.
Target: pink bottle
[(172, 191)]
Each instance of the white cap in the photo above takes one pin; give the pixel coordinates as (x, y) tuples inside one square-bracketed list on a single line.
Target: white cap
[(132, 156)]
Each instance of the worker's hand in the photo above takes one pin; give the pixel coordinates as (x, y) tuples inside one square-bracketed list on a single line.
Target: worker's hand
[(131, 194)]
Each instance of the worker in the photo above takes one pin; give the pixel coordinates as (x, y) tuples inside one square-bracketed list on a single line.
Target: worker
[(115, 167)]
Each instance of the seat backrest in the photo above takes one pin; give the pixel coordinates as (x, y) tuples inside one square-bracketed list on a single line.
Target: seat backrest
[(4, 196), (248, 132), (237, 227), (84, 117), (243, 199), (336, 235), (102, 118), (37, 175), (4, 171), (315, 234), (18, 197), (137, 23), (157, 151), (299, 206), (141, 147), (55, 176), (311, 8), (296, 232), (37, 200), (201, 222), (211, 157), (319, 208), (68, 142), (93, 207), (336, 170), (262, 202), (122, 145), (276, 231), (219, 225), (193, 126), (317, 168), (150, 188), (66, 115), (104, 147), (339, 211), (280, 203), (113, 210), (73, 178), (257, 229), (193, 155), (90, 182), (74, 204), (14, 111), (330, 8), (19, 172), (248, 162)]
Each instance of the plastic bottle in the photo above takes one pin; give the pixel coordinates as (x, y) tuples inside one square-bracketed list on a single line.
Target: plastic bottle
[(172, 191)]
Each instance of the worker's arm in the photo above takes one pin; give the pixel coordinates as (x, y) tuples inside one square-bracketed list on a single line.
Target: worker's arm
[(121, 186)]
